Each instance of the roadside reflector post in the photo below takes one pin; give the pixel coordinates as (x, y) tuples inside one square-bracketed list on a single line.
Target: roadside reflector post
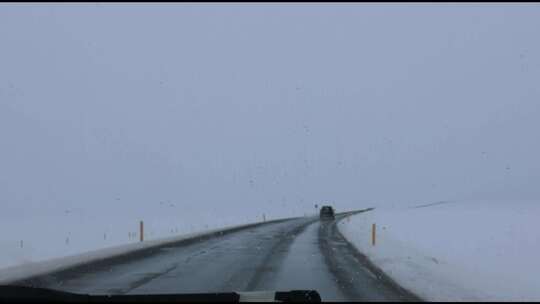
[(141, 232), (373, 234)]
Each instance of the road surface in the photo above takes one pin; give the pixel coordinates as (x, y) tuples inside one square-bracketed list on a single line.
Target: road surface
[(302, 253)]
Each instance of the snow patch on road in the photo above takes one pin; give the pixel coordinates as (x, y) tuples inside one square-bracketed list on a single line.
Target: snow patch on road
[(455, 251)]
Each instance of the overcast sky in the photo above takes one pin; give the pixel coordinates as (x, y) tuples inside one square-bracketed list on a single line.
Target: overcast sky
[(267, 106)]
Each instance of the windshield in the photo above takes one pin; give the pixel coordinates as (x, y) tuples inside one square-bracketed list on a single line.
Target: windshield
[(189, 148)]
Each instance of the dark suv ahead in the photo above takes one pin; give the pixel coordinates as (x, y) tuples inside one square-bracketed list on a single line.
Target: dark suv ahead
[(327, 213)]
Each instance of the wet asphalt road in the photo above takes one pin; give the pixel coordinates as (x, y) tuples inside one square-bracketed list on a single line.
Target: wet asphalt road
[(302, 253)]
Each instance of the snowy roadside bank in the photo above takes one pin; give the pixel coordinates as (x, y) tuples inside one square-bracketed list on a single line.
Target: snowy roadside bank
[(33, 269), (455, 251), (30, 235)]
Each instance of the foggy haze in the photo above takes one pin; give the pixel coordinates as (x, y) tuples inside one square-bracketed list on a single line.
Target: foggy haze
[(266, 107)]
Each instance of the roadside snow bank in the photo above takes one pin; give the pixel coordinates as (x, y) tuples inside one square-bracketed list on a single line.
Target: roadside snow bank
[(42, 234), (455, 251), (32, 269)]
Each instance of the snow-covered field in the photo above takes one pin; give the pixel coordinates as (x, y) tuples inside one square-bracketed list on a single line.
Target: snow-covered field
[(464, 250), (26, 270), (43, 236)]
